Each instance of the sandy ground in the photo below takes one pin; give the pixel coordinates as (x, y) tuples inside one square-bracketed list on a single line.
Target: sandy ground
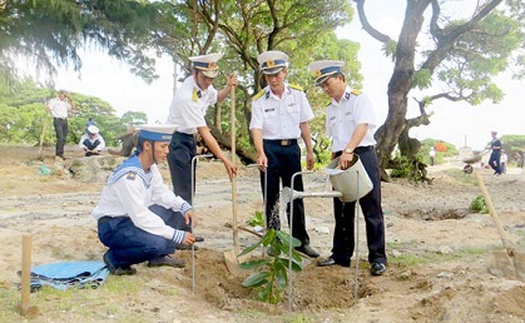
[(445, 263)]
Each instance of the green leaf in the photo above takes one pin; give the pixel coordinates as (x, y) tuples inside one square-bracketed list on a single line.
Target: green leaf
[(295, 265), (281, 277), (269, 237), (256, 279), (285, 238), (249, 249), (265, 293), (253, 264)]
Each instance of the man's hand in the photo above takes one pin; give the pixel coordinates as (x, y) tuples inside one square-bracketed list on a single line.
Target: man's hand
[(189, 239), (232, 80), (345, 160), (262, 161), (310, 160), (230, 168), (191, 215)]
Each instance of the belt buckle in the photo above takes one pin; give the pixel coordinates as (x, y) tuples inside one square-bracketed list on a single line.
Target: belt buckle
[(285, 142)]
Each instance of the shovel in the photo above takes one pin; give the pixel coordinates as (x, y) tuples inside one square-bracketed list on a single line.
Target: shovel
[(230, 257), (515, 259)]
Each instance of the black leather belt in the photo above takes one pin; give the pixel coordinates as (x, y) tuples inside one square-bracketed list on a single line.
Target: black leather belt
[(281, 142)]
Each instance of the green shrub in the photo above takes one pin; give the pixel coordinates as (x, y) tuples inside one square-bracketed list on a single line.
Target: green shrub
[(479, 205), (256, 220)]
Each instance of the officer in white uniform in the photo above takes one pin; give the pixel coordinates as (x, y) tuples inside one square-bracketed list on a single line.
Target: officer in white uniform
[(188, 110), (280, 115), (139, 217), (350, 121), (59, 109)]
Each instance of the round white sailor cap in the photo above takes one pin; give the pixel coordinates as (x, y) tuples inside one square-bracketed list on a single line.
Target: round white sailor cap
[(93, 129), (324, 69), (207, 64), (272, 62)]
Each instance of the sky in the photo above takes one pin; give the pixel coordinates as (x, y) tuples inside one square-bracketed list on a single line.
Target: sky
[(457, 123)]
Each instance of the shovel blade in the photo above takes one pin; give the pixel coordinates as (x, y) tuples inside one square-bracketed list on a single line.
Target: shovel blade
[(503, 265), (232, 263)]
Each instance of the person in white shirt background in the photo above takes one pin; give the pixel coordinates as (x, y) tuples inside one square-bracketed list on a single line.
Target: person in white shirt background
[(60, 110)]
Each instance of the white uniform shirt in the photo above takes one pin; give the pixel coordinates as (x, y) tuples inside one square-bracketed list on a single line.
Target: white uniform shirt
[(129, 196), (279, 118), (189, 106), (59, 108), (343, 117), (85, 136)]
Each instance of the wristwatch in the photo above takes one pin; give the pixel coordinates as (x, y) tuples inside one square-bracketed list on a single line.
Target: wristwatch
[(348, 151)]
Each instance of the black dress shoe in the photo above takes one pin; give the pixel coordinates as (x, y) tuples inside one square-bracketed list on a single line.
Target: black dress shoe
[(378, 269), (332, 262), (199, 238), (166, 261), (118, 271), (307, 250)]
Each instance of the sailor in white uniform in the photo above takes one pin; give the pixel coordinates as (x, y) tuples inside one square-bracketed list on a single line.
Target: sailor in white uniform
[(280, 115), (350, 122), (187, 111), (139, 217)]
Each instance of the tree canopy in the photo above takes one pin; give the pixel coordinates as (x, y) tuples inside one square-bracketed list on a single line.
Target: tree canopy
[(461, 55), (50, 33)]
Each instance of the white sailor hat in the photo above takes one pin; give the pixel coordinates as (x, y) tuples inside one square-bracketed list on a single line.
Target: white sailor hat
[(156, 132), (93, 129), (207, 64), (324, 69), (272, 62)]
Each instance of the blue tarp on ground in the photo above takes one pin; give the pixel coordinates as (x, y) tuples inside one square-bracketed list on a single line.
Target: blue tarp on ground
[(63, 275)]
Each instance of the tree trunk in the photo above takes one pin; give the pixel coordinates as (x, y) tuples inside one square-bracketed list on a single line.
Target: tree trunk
[(401, 82)]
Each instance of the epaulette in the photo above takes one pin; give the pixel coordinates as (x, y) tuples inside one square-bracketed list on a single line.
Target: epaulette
[(196, 95), (296, 87), (356, 92), (258, 95)]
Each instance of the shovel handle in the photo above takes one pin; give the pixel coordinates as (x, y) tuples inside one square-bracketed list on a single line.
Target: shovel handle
[(234, 183), (503, 235)]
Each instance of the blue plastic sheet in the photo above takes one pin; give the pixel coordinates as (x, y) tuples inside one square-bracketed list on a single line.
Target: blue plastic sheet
[(63, 275)]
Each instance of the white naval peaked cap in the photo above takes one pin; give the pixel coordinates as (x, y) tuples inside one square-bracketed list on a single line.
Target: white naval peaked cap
[(93, 129), (207, 64), (272, 61), (325, 68), (156, 132)]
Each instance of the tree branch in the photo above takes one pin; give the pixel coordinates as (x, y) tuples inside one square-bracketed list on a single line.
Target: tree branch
[(366, 25)]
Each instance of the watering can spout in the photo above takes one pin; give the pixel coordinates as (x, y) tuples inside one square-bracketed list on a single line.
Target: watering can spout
[(288, 195)]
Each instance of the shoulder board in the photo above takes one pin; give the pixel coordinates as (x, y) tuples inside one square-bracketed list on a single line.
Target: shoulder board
[(296, 87), (259, 94), (356, 92), (194, 95)]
